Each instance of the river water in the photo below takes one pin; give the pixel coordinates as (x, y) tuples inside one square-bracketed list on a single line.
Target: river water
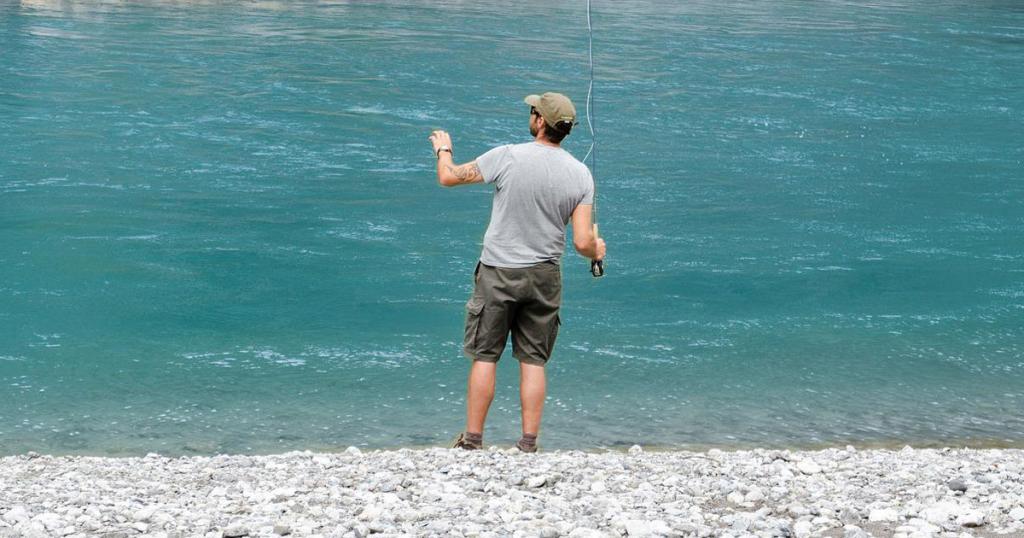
[(220, 230)]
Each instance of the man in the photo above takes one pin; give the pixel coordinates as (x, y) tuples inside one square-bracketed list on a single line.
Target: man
[(518, 283)]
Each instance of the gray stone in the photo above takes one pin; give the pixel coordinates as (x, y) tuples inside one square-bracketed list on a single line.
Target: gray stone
[(235, 531), (782, 531), (849, 516), (957, 485)]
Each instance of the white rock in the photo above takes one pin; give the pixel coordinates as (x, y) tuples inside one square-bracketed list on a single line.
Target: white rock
[(353, 450), (798, 510), (548, 531), (1017, 513), (921, 525), (735, 497), (740, 523), (16, 514), (971, 518), (536, 481), (808, 467), (583, 532), (639, 527), (853, 531), (598, 487), (660, 527), (940, 512), (50, 521), (144, 514), (281, 495), (883, 514), (235, 531), (635, 450), (371, 512), (802, 528), (754, 495)]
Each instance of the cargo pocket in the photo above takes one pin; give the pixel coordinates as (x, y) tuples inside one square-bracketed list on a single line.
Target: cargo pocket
[(552, 335), (474, 310)]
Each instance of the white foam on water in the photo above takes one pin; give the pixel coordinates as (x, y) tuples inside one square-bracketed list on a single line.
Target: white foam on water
[(46, 31), (240, 358), (403, 113), (1012, 292)]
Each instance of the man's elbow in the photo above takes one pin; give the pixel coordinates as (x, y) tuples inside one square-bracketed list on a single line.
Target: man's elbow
[(583, 245), (446, 181)]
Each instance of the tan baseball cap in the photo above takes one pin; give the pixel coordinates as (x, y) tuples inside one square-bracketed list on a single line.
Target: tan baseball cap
[(553, 107)]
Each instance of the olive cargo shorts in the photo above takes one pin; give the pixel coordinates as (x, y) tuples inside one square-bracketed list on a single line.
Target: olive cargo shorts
[(523, 301)]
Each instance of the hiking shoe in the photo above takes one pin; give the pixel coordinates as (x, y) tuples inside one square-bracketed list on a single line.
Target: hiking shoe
[(467, 444), (523, 447)]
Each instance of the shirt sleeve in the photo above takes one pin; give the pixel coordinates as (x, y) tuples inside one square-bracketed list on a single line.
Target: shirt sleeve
[(588, 189), (494, 163)]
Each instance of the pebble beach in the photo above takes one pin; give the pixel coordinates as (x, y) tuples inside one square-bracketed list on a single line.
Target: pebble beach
[(841, 492)]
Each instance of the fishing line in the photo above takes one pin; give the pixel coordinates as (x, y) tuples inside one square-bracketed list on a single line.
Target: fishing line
[(596, 266)]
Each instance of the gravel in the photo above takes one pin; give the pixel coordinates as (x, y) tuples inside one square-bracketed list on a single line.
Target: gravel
[(835, 492)]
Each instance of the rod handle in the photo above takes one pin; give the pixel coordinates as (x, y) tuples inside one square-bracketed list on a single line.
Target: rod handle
[(596, 266)]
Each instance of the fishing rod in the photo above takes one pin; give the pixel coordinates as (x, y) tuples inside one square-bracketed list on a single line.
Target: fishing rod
[(596, 266)]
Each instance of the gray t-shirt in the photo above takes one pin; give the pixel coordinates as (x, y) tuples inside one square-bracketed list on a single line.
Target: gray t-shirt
[(536, 189)]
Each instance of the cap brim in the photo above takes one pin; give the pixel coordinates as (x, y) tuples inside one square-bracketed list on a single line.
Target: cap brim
[(532, 100)]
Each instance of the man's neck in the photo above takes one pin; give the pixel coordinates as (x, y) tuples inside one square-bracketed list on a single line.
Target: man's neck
[(541, 140)]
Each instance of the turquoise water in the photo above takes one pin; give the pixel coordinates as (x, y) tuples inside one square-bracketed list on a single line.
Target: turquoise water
[(220, 230)]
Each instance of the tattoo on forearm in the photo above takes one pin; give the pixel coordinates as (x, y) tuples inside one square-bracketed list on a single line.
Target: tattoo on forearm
[(466, 173)]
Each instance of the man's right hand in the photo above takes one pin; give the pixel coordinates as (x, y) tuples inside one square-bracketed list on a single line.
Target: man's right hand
[(601, 249), (440, 139)]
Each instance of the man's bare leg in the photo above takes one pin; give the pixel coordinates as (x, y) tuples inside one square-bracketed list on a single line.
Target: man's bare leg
[(532, 388), (480, 393)]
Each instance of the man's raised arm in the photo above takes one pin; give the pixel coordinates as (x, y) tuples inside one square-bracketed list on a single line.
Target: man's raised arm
[(450, 174)]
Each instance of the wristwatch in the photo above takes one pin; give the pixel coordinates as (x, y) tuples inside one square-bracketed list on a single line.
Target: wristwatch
[(443, 148)]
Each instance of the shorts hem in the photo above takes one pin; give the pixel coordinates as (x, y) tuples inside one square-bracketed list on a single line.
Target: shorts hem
[(476, 358), (530, 360)]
